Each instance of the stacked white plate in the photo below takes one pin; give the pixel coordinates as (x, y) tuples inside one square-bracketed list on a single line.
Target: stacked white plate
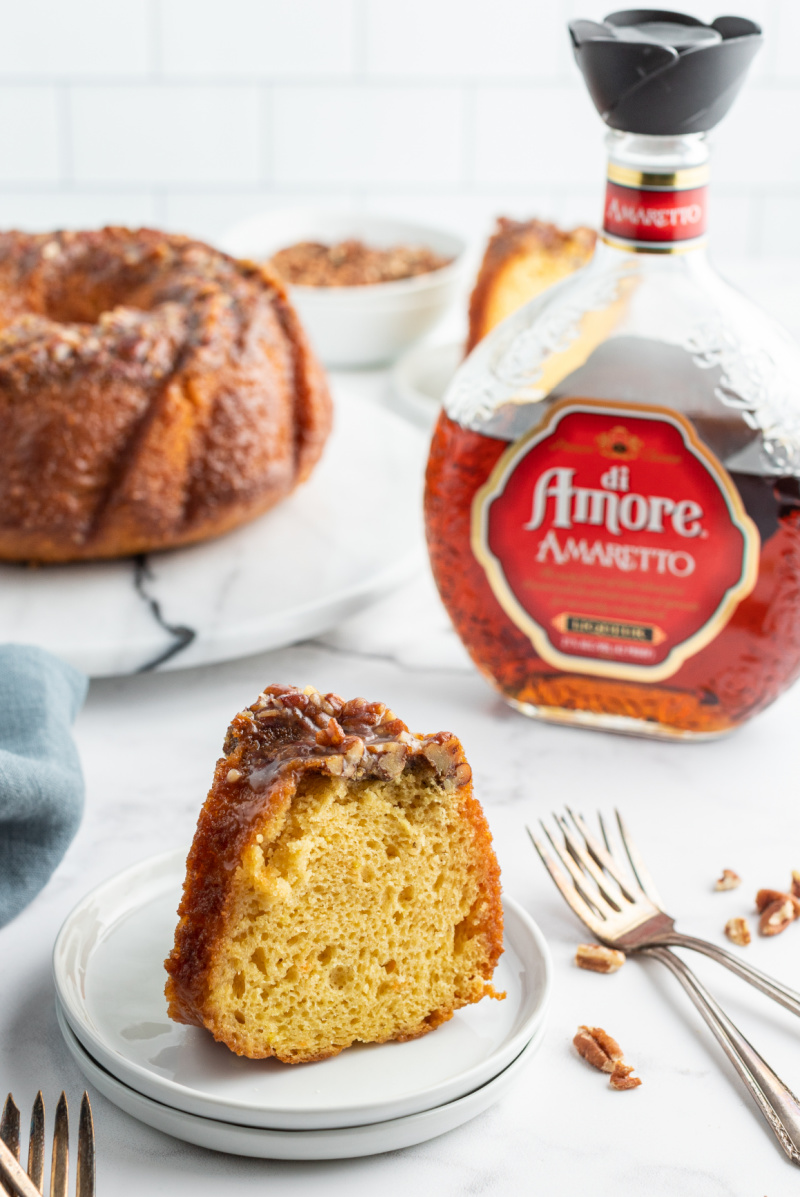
[(109, 977)]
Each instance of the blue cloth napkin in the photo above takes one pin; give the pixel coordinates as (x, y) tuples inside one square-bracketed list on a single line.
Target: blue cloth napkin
[(41, 784)]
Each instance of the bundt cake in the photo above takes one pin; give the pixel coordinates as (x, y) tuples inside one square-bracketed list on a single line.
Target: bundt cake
[(153, 392), (341, 886), (523, 258)]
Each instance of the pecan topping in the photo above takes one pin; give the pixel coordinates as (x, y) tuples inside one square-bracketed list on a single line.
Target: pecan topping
[(598, 959), (738, 931), (728, 880), (795, 888), (597, 1048), (286, 730)]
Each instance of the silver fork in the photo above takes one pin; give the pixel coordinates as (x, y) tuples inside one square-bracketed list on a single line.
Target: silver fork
[(14, 1179), (626, 913)]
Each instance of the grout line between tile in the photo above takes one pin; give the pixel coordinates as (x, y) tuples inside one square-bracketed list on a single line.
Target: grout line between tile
[(65, 146), (360, 19), (266, 133), (155, 39), (469, 131)]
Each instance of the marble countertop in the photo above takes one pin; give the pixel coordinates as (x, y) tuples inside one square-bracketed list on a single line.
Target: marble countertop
[(149, 744)]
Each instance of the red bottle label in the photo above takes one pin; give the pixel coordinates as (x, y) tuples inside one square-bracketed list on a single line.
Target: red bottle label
[(615, 539), (647, 215)]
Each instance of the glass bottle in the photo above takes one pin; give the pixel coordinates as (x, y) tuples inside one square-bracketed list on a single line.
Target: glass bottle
[(613, 488)]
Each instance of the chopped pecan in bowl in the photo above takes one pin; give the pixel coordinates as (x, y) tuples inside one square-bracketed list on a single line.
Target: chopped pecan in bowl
[(352, 263)]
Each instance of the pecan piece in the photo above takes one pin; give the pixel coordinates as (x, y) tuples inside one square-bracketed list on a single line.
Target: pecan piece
[(598, 959), (621, 1078), (728, 880), (766, 897), (777, 915), (597, 1048), (795, 887), (738, 931)]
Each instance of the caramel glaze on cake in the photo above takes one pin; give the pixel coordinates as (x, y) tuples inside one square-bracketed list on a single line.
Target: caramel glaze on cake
[(299, 932), (522, 259), (153, 392)]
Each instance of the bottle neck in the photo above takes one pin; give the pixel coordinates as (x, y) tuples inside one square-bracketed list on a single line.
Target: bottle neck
[(656, 193)]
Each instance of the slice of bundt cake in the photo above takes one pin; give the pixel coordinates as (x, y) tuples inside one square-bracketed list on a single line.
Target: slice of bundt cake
[(522, 259), (341, 886)]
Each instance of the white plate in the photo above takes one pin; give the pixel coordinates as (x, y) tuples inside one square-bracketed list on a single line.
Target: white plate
[(109, 977), (349, 535), (421, 377), (341, 1144)]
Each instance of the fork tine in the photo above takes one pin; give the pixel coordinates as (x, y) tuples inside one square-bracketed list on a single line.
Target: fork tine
[(36, 1143), (86, 1168), (585, 862), (59, 1168), (566, 889), (640, 870), (602, 857), (604, 834), (9, 1126), (591, 894)]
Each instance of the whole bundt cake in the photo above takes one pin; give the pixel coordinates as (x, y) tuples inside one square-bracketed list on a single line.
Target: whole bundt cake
[(341, 886), (153, 392)]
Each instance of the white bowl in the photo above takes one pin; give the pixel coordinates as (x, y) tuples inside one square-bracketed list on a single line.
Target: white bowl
[(357, 326)]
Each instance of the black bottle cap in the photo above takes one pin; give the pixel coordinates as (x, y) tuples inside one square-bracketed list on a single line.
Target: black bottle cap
[(663, 73)]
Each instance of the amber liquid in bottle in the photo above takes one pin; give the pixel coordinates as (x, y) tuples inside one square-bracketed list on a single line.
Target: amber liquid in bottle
[(752, 660), (645, 342)]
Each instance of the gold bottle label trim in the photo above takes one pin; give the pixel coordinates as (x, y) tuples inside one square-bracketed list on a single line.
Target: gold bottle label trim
[(655, 213)]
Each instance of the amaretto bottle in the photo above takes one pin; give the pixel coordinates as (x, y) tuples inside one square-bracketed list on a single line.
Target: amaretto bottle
[(612, 502)]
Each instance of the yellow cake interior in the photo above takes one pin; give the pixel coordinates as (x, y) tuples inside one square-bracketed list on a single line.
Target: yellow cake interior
[(355, 914), (522, 278), (522, 259)]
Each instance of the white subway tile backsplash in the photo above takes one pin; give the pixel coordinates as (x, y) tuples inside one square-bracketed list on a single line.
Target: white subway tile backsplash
[(546, 136), (732, 225), (43, 211), (579, 206), (367, 135), (780, 233), (208, 214), (467, 39), (75, 38), (757, 146), (472, 216), (166, 134), (787, 66), (29, 128), (273, 39), (196, 114)]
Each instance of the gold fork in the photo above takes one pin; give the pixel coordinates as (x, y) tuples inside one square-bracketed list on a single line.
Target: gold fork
[(625, 912), (14, 1179)]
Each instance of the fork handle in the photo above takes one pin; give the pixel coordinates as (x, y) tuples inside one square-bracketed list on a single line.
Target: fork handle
[(780, 993), (774, 1099), (12, 1173)]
